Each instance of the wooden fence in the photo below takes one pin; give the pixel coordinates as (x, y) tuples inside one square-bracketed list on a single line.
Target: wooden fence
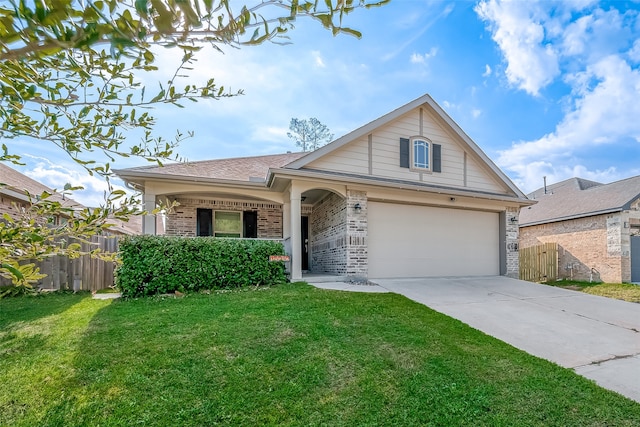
[(84, 273), (539, 263)]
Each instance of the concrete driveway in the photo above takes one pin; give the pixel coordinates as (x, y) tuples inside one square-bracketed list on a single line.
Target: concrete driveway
[(597, 337)]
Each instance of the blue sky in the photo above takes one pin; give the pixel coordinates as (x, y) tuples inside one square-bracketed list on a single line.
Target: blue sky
[(547, 88)]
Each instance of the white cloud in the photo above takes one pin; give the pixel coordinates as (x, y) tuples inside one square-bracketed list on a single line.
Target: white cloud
[(55, 176), (270, 134), (604, 111), (532, 175), (417, 58), (598, 34), (433, 18), (634, 52), (319, 62), (450, 105), (575, 35), (487, 71), (517, 28), (584, 46), (476, 113)]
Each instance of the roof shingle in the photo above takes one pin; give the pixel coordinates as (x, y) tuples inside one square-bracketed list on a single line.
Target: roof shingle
[(576, 197), (234, 169)]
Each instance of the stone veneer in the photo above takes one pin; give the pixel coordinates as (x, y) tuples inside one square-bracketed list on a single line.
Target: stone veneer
[(512, 250), (182, 221), (584, 243), (357, 231), (328, 236)]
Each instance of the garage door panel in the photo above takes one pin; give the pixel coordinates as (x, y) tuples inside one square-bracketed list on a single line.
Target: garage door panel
[(419, 241)]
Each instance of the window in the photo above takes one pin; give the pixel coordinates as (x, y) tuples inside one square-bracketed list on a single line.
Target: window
[(420, 154), (227, 224)]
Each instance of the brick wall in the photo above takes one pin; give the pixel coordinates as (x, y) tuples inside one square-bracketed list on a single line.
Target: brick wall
[(584, 243), (182, 221), (6, 206), (357, 232), (328, 236)]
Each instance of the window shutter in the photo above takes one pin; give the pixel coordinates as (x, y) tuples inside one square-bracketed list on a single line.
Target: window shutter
[(437, 158), (404, 152)]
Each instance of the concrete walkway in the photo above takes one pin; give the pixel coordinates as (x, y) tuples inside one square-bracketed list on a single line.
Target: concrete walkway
[(599, 338)]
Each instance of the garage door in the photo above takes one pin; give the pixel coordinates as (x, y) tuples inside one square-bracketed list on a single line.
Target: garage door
[(419, 241)]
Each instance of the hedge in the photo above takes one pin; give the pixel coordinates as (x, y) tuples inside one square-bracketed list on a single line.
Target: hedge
[(153, 265)]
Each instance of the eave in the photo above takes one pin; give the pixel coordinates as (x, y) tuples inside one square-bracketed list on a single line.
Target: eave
[(395, 184), (570, 217), (138, 178)]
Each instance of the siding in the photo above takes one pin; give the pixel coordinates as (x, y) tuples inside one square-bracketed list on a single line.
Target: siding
[(385, 162)]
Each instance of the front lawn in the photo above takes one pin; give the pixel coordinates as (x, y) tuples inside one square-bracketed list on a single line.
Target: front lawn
[(623, 291), (288, 355)]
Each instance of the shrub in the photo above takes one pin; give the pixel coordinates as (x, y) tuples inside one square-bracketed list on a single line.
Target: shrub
[(153, 265)]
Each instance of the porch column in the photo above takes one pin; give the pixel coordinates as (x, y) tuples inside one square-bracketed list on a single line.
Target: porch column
[(295, 229), (286, 220), (149, 221)]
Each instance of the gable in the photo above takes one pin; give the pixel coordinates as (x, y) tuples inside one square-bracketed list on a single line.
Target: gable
[(377, 154)]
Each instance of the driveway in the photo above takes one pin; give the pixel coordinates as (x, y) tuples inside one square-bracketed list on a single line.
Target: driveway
[(597, 337)]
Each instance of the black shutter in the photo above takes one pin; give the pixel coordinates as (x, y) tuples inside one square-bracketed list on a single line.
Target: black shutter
[(437, 158), (204, 222), (250, 224), (404, 152)]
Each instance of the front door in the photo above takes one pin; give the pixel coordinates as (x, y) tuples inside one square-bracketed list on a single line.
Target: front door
[(305, 242)]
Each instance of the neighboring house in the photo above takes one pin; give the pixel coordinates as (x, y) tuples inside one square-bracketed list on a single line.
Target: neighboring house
[(597, 228), (407, 195), (13, 197), (14, 187)]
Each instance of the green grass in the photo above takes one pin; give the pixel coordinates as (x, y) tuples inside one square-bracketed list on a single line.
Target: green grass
[(622, 291), (289, 355)]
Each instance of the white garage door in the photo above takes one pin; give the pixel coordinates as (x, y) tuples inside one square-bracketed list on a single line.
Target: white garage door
[(419, 241)]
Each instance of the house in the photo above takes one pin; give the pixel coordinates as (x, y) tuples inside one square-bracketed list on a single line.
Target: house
[(15, 188), (596, 227), (407, 195)]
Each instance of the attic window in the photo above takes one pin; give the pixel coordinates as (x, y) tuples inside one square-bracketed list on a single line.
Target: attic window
[(421, 154)]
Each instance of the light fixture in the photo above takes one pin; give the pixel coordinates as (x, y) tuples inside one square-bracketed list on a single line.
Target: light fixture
[(357, 207)]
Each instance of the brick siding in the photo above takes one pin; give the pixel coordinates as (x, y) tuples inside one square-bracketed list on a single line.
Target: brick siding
[(328, 236), (7, 207), (182, 221), (584, 243)]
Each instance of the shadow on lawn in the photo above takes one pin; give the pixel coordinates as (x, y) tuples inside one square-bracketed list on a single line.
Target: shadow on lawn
[(29, 308), (79, 400), (115, 369)]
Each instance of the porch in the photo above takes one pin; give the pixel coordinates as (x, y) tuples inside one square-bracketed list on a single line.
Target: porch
[(314, 225)]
